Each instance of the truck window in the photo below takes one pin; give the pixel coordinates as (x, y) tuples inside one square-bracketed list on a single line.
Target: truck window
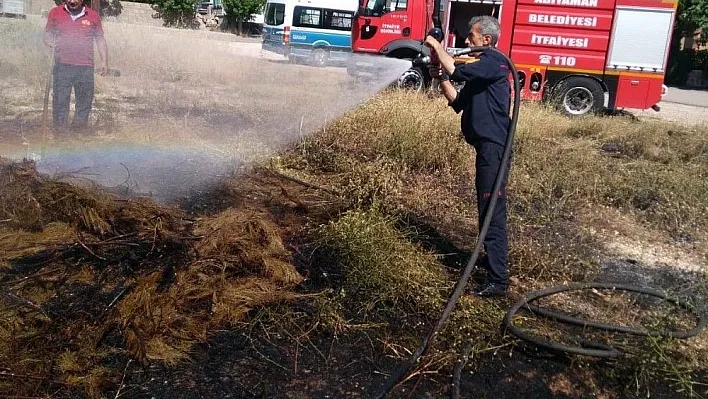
[(274, 14), (379, 7)]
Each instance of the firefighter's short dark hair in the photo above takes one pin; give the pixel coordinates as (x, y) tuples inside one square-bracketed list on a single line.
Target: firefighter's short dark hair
[(488, 25)]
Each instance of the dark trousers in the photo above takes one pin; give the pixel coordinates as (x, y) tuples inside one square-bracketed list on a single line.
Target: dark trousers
[(488, 159), (79, 78)]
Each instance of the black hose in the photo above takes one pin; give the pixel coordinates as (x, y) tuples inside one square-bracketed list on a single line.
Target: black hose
[(402, 371), (588, 348), (599, 350)]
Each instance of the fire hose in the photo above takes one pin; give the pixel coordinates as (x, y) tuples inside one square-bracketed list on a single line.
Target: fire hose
[(589, 348), (595, 349)]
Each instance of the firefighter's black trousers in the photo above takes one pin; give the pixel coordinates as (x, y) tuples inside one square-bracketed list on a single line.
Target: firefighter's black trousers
[(488, 159)]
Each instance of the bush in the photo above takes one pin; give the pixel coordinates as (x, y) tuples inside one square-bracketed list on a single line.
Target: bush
[(175, 13), (240, 11)]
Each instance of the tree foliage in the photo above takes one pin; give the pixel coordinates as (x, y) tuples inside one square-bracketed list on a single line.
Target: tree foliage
[(111, 8), (692, 14), (175, 13), (242, 10)]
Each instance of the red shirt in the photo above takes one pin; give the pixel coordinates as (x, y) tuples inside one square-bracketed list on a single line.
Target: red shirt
[(74, 39)]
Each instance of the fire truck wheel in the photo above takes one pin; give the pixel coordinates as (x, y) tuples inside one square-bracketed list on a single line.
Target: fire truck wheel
[(412, 79), (318, 57), (579, 96)]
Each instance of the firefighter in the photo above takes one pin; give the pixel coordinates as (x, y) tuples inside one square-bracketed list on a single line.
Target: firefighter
[(70, 32), (484, 102)]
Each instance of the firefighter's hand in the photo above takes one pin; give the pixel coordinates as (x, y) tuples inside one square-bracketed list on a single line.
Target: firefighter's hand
[(437, 72), (432, 43)]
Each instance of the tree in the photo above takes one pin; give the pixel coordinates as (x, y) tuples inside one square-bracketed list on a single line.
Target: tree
[(240, 11), (176, 13), (692, 14)]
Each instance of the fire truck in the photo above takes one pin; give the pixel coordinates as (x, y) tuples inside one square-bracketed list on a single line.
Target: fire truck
[(583, 55)]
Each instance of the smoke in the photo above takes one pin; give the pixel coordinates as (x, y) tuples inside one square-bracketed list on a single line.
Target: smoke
[(187, 108)]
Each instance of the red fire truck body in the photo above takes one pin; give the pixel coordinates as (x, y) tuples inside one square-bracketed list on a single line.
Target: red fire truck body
[(585, 54)]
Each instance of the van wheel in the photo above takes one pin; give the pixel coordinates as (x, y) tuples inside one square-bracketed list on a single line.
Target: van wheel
[(319, 57), (579, 96), (412, 79)]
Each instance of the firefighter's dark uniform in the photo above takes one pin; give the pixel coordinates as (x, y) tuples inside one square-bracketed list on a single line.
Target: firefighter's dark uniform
[(484, 102)]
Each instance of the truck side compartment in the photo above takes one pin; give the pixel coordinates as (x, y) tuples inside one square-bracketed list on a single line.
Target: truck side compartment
[(583, 54)]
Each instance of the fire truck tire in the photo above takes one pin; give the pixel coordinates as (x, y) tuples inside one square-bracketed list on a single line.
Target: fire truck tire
[(579, 95), (413, 79), (319, 57)]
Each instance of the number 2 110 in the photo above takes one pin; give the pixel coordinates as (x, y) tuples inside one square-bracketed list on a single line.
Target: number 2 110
[(563, 60)]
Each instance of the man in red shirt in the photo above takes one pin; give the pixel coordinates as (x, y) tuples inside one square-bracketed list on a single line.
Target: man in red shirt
[(70, 32)]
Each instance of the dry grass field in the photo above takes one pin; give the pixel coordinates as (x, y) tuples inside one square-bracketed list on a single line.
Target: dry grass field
[(214, 102), (241, 227)]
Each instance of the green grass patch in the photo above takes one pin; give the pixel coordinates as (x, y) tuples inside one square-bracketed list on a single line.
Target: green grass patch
[(386, 273)]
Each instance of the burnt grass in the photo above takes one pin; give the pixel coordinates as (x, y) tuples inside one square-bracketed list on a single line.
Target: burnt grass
[(269, 362), (264, 357)]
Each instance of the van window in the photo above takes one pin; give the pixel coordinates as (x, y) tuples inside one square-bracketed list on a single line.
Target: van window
[(274, 14), (307, 17), (338, 20)]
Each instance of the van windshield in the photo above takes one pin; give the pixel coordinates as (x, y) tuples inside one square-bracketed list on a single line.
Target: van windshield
[(377, 8), (274, 14)]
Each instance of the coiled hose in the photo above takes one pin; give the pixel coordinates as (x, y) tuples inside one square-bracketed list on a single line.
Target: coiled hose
[(596, 349), (588, 348), (402, 371)]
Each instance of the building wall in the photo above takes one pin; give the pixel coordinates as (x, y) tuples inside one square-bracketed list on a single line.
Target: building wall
[(12, 7), (694, 42), (136, 13), (133, 13)]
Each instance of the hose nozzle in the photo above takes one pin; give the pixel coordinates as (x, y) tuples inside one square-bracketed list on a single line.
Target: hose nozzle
[(427, 60), (424, 60), (465, 51)]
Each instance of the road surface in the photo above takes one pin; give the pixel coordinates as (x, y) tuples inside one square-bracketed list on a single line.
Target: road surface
[(684, 106), (695, 97)]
